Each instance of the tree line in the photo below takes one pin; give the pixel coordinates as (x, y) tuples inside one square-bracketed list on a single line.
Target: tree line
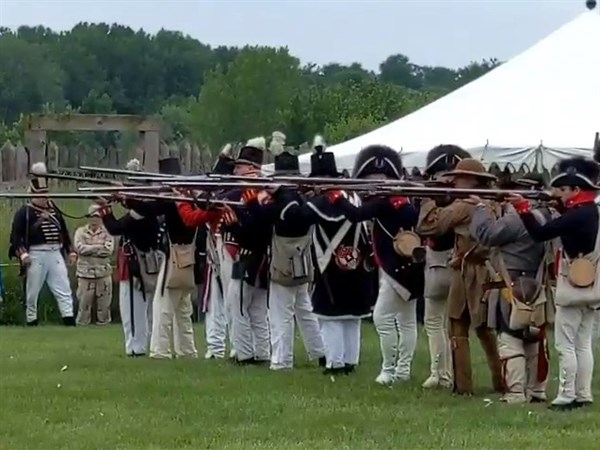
[(210, 95)]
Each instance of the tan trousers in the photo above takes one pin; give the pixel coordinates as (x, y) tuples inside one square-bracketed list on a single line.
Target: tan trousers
[(520, 370), (172, 330), (461, 355), (90, 290)]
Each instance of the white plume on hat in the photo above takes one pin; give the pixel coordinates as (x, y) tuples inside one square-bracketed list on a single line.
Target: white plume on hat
[(94, 209), (319, 141), (226, 150), (39, 169), (277, 145), (257, 142), (134, 165)]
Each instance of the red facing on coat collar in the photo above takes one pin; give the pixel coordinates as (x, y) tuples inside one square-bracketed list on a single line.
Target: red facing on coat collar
[(581, 198)]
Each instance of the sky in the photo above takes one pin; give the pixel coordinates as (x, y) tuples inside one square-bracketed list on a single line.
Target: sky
[(448, 33)]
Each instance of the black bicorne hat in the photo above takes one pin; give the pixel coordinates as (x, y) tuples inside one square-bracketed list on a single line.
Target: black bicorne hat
[(577, 172), (253, 152), (444, 158), (169, 166), (378, 159), (287, 163), (533, 181), (224, 166)]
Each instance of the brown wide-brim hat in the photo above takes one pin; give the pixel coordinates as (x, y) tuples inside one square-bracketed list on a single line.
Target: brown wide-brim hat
[(469, 167)]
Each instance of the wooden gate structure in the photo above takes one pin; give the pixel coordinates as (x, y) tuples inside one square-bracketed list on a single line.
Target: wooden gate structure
[(148, 128)]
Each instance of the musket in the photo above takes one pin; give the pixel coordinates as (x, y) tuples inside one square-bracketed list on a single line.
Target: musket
[(160, 178), (218, 185), (125, 172), (455, 193), (177, 198), (124, 189), (138, 195), (60, 176), (51, 195), (314, 181)]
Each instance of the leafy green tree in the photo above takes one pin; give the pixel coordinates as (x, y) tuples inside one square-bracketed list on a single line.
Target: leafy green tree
[(28, 78), (252, 97)]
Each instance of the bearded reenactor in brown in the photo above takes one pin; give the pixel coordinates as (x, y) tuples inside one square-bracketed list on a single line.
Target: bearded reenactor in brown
[(438, 275), (469, 274)]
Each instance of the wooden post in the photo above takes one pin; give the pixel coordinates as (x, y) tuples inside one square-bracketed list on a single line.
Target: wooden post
[(21, 169), (151, 149), (35, 141), (6, 155)]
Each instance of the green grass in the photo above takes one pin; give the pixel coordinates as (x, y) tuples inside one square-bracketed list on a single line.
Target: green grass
[(106, 401)]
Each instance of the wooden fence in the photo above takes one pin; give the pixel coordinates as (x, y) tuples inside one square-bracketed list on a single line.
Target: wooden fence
[(14, 160)]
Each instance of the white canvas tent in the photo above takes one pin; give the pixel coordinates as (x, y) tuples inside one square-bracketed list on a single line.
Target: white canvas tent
[(540, 106)]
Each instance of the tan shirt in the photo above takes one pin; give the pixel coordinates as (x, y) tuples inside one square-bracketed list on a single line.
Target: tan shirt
[(94, 249), (468, 257)]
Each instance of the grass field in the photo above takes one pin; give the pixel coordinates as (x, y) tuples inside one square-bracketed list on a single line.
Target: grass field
[(103, 400)]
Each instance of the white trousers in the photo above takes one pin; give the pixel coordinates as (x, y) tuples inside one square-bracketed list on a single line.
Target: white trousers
[(573, 327), (285, 303), (215, 319), (596, 333), (226, 268), (134, 317), (342, 341), (172, 331), (395, 320), (520, 369), (48, 266), (250, 322), (436, 327)]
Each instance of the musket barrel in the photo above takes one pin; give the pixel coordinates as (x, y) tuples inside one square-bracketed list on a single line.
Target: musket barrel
[(57, 195), (110, 189), (125, 172), (82, 179), (180, 198)]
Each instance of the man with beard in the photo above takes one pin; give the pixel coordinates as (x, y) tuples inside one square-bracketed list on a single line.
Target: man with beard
[(469, 274)]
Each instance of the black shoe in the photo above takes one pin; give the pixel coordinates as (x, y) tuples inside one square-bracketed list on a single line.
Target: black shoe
[(563, 407), (261, 362), (33, 323), (534, 399), (335, 371), (349, 369), (243, 362), (322, 362), (583, 404), (69, 321), (136, 355)]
